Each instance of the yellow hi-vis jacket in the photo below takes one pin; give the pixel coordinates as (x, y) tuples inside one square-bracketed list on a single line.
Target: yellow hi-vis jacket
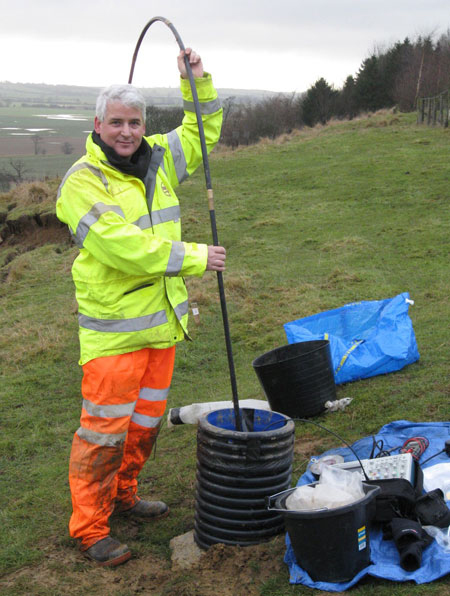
[(129, 273)]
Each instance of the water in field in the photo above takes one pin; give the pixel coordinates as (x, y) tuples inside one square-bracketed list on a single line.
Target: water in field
[(38, 132), (62, 117), (17, 121)]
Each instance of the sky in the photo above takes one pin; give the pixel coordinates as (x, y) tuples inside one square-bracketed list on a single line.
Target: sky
[(274, 45)]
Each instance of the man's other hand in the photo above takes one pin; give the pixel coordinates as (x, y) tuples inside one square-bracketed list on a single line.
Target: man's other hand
[(216, 258), (194, 60)]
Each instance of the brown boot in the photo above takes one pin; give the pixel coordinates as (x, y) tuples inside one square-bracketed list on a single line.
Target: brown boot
[(145, 511), (108, 552)]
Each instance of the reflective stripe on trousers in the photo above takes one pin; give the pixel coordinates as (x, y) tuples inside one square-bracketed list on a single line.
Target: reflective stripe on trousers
[(124, 399)]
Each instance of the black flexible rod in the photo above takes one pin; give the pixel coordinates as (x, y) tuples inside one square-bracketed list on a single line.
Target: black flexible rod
[(212, 214)]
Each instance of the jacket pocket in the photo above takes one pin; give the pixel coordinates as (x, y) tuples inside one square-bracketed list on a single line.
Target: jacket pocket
[(138, 288)]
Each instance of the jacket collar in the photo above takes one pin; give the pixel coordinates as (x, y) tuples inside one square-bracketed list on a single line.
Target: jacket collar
[(138, 164)]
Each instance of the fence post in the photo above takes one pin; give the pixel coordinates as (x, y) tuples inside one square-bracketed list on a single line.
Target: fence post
[(419, 110), (446, 109), (436, 109)]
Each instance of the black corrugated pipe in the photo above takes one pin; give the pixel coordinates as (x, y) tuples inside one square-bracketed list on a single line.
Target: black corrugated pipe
[(212, 214)]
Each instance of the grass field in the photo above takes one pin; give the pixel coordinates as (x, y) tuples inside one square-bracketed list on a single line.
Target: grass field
[(19, 127), (19, 119), (39, 167), (352, 211)]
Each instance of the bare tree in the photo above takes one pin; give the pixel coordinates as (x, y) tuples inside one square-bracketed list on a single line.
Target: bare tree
[(161, 120), (20, 170), (37, 142), (270, 117), (228, 104), (67, 148)]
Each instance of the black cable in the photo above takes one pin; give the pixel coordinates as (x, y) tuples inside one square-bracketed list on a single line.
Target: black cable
[(381, 451), (435, 455), (376, 444), (212, 215), (328, 431)]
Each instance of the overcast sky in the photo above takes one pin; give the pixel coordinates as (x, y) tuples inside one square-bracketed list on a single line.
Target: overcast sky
[(277, 45)]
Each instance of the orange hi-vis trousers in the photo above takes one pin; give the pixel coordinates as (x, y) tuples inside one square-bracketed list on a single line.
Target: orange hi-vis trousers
[(124, 401)]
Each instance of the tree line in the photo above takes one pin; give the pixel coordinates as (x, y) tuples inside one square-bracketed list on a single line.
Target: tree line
[(395, 76)]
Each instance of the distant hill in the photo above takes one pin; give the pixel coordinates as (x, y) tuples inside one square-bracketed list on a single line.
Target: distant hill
[(35, 95)]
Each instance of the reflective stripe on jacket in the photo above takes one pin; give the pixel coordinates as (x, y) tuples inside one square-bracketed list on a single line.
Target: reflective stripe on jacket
[(129, 273)]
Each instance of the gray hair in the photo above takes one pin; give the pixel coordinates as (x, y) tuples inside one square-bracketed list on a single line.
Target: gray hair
[(126, 94)]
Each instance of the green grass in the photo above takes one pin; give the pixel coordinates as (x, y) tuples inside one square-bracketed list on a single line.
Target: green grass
[(352, 211), (40, 167), (26, 120), (34, 117)]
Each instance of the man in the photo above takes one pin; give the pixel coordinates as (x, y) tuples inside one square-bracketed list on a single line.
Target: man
[(119, 203)]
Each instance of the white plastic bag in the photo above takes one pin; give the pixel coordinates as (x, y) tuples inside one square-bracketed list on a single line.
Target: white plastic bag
[(337, 478), (441, 535), (330, 497), (437, 476), (301, 499), (335, 488)]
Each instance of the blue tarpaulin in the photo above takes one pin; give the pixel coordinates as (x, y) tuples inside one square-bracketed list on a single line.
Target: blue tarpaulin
[(384, 554), (366, 338)]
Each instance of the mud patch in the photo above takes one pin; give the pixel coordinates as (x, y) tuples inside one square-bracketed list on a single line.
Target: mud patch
[(224, 570), (36, 236), (240, 570)]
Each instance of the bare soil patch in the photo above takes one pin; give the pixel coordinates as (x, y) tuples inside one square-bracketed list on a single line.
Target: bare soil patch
[(33, 236), (224, 570)]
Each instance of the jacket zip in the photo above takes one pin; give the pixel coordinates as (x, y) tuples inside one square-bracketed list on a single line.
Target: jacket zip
[(138, 288)]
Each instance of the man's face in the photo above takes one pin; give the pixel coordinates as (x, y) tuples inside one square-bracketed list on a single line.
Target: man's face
[(122, 128)]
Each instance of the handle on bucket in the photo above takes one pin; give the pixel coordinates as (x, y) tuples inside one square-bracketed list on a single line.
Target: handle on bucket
[(372, 491), (269, 500)]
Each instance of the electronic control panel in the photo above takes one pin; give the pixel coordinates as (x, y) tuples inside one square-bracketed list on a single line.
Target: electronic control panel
[(381, 468)]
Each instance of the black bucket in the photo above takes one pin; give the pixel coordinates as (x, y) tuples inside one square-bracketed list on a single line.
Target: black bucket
[(331, 545), (236, 471), (297, 379)]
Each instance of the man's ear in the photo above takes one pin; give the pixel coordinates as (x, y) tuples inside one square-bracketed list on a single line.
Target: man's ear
[(97, 125)]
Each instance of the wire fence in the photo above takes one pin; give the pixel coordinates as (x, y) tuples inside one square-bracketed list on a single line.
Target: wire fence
[(434, 110)]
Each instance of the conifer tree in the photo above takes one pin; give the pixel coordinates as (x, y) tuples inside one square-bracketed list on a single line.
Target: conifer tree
[(319, 104)]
